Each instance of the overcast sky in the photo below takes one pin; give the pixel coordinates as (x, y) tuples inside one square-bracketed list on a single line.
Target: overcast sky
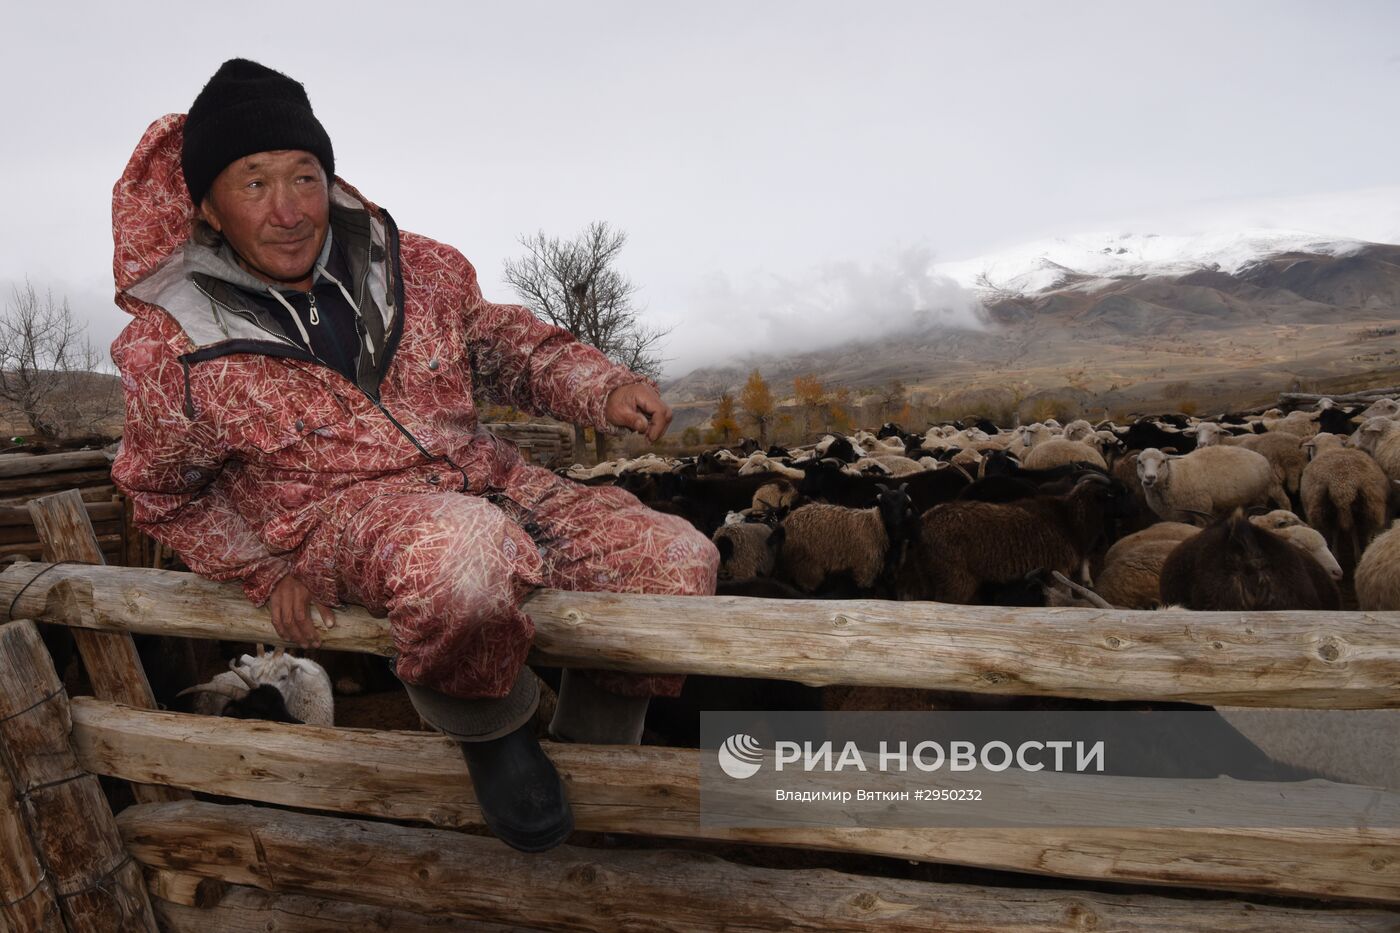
[(751, 150)]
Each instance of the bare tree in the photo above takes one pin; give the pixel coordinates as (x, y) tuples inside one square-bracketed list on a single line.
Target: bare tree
[(49, 369), (573, 284)]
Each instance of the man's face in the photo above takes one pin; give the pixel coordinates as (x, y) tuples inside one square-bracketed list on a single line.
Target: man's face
[(273, 208)]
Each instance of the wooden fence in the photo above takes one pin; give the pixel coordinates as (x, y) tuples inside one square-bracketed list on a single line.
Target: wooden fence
[(313, 849)]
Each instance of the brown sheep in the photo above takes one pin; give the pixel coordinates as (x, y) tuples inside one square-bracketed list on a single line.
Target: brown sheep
[(1236, 566), (1132, 568), (1284, 451), (963, 545), (1344, 494)]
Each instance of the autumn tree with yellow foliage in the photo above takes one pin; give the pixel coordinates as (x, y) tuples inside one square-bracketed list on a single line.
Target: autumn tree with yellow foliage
[(811, 400), (756, 402), (724, 426)]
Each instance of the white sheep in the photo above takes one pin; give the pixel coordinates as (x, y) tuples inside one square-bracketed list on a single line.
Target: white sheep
[(1378, 574), (1291, 529), (762, 463), (1299, 423), (897, 464), (1382, 408), (305, 686), (1057, 452), (1208, 482), (1380, 437)]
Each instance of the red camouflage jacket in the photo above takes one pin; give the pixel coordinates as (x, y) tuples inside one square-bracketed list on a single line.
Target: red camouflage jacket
[(238, 446)]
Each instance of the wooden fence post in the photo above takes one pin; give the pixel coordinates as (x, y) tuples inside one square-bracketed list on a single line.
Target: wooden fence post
[(98, 887), (111, 661), (26, 894)]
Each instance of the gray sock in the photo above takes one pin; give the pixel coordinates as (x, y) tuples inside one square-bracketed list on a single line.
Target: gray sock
[(586, 713)]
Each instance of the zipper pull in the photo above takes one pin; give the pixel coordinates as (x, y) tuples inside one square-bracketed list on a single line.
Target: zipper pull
[(315, 312)]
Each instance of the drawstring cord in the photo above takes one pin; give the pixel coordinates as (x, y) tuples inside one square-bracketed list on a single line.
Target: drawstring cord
[(369, 344)]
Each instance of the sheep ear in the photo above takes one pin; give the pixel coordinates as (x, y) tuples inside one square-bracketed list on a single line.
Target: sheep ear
[(882, 487), (1169, 451)]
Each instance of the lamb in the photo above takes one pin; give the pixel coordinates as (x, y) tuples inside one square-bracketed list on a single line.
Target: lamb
[(1378, 574), (303, 684), (1234, 565), (828, 544), (747, 550), (1058, 452), (963, 546), (1209, 481), (1344, 494), (1132, 568)]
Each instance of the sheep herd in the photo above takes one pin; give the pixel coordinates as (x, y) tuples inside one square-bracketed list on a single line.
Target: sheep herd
[(1239, 512), (1272, 511)]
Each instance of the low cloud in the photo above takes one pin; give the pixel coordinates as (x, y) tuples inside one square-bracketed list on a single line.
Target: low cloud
[(732, 317)]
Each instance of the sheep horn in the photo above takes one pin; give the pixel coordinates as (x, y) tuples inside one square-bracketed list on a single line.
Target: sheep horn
[(243, 675), (223, 690), (959, 468), (1081, 591)]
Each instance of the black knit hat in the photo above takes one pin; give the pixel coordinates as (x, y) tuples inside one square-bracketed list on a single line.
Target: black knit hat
[(247, 108)]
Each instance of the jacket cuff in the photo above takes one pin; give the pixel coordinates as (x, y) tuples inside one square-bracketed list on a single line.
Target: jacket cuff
[(598, 410), (264, 576)]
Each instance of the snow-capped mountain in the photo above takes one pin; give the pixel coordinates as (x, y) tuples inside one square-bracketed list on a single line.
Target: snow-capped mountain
[(1093, 261)]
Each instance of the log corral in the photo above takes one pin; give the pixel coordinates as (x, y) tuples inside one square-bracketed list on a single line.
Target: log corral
[(326, 829), (548, 444)]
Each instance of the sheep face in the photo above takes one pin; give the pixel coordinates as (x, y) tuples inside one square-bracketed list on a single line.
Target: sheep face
[(1153, 469), (1208, 434), (1372, 431), (897, 511)]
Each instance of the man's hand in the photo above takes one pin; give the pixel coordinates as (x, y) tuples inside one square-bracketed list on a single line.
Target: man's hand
[(638, 407), (288, 603)]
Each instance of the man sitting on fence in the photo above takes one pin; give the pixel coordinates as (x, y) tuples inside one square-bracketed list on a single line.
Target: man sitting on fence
[(299, 379)]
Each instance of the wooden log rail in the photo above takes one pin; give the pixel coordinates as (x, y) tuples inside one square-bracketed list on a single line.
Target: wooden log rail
[(568, 888), (1334, 660), (655, 791)]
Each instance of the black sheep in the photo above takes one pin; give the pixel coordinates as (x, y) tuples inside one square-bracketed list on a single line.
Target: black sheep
[(1235, 566)]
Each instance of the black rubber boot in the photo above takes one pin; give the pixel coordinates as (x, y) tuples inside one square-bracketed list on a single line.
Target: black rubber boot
[(519, 791)]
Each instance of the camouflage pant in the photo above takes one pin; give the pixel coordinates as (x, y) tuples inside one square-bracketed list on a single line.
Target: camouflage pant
[(451, 569)]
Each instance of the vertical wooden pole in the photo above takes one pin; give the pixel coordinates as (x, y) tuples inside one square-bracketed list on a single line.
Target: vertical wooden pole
[(110, 658), (98, 886), (27, 900)]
